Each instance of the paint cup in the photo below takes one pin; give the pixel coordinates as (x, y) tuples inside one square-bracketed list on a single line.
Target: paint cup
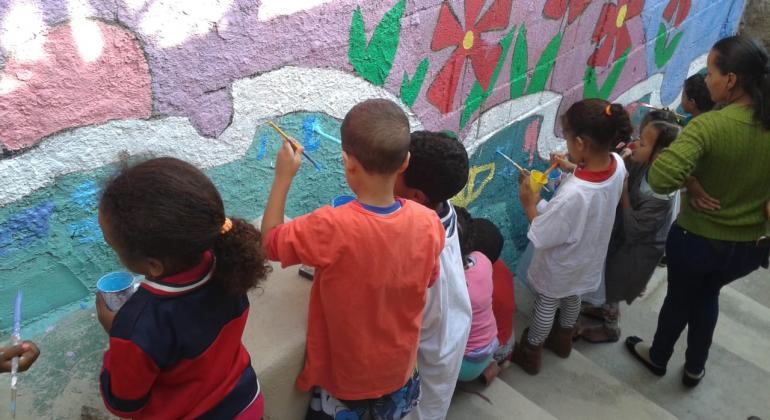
[(341, 200), (537, 180), (554, 179), (116, 288)]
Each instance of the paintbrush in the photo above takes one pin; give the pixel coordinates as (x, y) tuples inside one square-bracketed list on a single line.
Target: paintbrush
[(513, 162), (551, 168), (294, 145), (15, 340), (522, 170)]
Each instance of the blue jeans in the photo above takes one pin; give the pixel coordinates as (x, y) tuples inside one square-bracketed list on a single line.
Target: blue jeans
[(698, 268)]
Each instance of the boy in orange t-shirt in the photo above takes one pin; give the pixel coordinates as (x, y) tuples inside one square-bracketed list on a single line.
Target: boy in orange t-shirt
[(374, 260)]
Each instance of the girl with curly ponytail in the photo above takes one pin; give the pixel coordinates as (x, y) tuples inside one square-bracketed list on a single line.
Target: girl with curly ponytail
[(179, 335)]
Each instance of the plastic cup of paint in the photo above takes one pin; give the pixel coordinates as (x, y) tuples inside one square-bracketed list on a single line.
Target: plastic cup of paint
[(116, 288), (537, 180), (341, 200), (554, 179)]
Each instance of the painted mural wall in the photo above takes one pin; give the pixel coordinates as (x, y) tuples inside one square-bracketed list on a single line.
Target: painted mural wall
[(83, 82)]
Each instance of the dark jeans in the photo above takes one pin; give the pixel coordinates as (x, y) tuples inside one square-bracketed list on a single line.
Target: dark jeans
[(698, 268)]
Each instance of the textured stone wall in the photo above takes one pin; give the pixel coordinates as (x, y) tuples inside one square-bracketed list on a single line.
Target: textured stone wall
[(756, 21), (83, 80)]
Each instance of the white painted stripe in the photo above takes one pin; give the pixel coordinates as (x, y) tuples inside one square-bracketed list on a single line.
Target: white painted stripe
[(180, 289)]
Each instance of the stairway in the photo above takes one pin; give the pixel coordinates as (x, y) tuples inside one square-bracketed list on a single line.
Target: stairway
[(598, 381), (602, 381)]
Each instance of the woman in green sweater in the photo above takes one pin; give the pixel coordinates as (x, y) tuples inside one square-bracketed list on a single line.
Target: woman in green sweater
[(728, 151)]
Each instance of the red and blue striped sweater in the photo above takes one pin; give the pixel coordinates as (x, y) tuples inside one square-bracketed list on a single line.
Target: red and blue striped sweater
[(176, 352)]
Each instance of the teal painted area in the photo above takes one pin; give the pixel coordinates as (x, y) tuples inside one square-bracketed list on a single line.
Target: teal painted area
[(499, 200), (53, 250)]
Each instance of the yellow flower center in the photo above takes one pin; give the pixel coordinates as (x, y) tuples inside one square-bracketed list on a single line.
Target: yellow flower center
[(468, 40), (621, 15)]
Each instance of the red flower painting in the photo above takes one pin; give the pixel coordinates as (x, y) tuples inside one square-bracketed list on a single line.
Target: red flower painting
[(555, 9), (611, 32), (681, 7), (469, 46)]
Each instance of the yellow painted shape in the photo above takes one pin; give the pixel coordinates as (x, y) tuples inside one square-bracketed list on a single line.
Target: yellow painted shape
[(468, 40), (622, 12), (471, 192)]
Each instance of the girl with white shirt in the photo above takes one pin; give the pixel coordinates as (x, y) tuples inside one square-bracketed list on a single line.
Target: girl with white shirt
[(572, 233)]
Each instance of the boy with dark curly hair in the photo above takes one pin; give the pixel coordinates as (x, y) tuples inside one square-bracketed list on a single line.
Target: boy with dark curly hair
[(438, 170)]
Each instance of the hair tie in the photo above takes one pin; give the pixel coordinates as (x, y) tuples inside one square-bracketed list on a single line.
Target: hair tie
[(608, 110), (226, 226)]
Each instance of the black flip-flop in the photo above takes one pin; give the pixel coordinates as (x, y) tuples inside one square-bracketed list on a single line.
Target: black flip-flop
[(631, 343)]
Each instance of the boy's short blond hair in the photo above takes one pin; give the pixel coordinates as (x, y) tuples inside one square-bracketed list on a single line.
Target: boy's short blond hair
[(376, 133)]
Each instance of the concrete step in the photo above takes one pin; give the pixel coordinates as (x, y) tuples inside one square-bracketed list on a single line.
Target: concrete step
[(742, 327), (734, 386), (576, 387), (504, 403)]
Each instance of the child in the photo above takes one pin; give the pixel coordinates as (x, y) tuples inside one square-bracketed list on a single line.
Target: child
[(696, 98), (175, 345), (438, 170), (482, 340), (639, 236), (571, 236), (489, 241), (27, 352), (374, 260)]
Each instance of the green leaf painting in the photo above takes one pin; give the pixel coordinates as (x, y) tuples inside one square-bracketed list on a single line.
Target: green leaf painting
[(591, 88), (478, 95), (519, 64), (411, 88), (544, 66), (373, 61), (663, 49)]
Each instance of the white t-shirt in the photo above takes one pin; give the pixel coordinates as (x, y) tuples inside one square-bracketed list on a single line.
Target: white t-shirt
[(446, 323), (572, 235)]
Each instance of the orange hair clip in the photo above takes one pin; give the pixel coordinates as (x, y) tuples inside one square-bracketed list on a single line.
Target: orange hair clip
[(226, 226), (608, 110)]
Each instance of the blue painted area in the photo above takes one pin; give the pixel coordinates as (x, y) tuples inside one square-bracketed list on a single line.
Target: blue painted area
[(699, 36), (262, 147), (52, 247), (499, 199), (86, 195), (310, 138), (25, 228)]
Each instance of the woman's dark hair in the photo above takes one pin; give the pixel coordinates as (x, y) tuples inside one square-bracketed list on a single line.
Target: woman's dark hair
[(465, 231), (667, 133), (598, 121), (748, 60), (695, 88), (487, 238), (167, 209)]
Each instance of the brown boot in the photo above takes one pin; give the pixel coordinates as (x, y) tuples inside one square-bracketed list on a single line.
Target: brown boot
[(560, 341), (527, 356)]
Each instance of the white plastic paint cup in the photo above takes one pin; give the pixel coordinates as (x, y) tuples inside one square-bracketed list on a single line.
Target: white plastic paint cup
[(116, 288)]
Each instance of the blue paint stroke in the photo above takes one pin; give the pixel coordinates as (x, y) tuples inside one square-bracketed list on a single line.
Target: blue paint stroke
[(25, 228), (310, 138), (86, 231), (262, 147), (326, 136), (85, 195)]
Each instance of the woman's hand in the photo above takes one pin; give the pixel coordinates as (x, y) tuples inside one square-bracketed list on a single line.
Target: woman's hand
[(105, 315), (699, 199), (27, 352)]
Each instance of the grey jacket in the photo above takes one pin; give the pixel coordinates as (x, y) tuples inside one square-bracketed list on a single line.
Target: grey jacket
[(638, 238)]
